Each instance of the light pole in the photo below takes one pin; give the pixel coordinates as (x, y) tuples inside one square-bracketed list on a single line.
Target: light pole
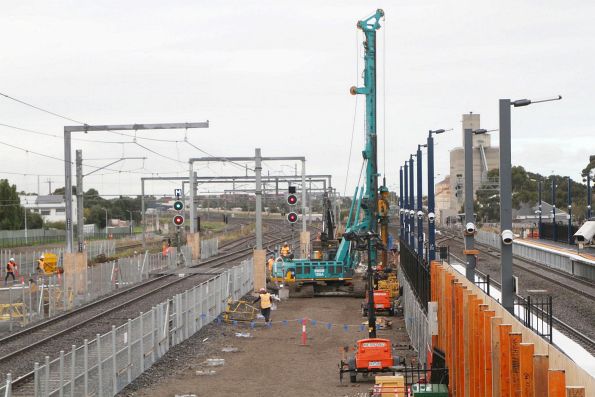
[(539, 211), (401, 210), (431, 198), (406, 199), (569, 211), (411, 204), (506, 198), (420, 214), (470, 228), (589, 195), (555, 231)]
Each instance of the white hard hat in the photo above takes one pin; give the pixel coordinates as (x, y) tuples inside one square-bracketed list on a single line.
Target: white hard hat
[(11, 260), (41, 257)]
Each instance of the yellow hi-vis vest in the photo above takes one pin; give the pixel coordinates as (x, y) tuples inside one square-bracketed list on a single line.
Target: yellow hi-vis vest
[(265, 301)]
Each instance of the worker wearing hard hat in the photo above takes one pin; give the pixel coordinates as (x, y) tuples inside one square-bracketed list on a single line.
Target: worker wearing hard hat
[(285, 251), (11, 268), (265, 303), (41, 264), (270, 263)]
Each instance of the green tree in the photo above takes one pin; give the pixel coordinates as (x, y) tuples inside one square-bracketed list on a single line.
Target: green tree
[(11, 211)]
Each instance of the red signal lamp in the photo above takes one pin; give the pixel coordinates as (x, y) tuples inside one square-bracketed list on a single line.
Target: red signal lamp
[(292, 199), (178, 220), (292, 217)]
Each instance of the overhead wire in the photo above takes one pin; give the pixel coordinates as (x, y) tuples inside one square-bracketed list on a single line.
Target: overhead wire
[(41, 109)]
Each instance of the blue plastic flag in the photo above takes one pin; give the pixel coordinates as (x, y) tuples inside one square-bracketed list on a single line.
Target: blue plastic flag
[(362, 327), (345, 327), (329, 325), (313, 322)]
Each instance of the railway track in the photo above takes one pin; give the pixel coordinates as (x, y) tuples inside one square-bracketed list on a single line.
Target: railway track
[(20, 350), (566, 281), (572, 283), (571, 332)]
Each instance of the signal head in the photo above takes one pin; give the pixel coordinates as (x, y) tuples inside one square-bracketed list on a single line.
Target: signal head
[(292, 217), (178, 206), (178, 220), (292, 199)]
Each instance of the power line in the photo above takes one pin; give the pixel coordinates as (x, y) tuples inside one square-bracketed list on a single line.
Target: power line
[(60, 137), (40, 109)]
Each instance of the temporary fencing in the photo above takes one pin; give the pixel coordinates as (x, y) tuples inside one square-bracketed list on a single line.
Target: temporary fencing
[(209, 248), (36, 297), (105, 365), (27, 261)]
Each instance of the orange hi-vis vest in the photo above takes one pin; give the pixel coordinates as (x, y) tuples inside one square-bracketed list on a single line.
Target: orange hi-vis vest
[(265, 301)]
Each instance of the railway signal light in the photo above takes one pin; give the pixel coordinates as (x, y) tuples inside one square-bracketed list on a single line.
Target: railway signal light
[(292, 199), (178, 220), (178, 206), (292, 217)]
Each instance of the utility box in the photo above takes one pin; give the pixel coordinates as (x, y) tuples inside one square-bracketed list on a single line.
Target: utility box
[(435, 390)]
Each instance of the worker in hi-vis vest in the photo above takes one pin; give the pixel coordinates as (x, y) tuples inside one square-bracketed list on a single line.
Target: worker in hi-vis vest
[(265, 303)]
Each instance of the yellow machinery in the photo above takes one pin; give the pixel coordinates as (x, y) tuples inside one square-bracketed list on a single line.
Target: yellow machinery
[(239, 311), (13, 312), (391, 284), (50, 264)]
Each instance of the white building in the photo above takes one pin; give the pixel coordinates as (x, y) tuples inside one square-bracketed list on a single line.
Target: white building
[(52, 208)]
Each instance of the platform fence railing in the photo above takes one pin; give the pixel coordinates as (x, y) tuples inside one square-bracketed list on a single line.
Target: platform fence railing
[(105, 365)]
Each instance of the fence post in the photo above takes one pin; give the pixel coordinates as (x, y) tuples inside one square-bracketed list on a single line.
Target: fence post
[(8, 390), (114, 361), (153, 330), (141, 346), (129, 350), (36, 380), (86, 366), (61, 373), (46, 378), (99, 365), (72, 370)]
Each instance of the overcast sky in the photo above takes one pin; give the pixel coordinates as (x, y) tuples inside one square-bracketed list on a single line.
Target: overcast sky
[(276, 75)]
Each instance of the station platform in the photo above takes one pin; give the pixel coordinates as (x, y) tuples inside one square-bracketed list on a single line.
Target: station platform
[(587, 253)]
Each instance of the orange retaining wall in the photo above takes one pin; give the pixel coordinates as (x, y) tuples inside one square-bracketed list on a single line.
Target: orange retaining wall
[(490, 353)]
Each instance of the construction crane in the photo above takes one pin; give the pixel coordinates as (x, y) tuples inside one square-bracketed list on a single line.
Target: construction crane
[(333, 272)]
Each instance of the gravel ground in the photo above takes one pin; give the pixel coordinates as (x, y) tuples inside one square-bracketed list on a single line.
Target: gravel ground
[(570, 307), (271, 362)]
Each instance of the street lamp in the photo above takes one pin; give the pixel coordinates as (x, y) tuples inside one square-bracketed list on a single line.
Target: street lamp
[(431, 197), (411, 204), (506, 196), (420, 218), (470, 228)]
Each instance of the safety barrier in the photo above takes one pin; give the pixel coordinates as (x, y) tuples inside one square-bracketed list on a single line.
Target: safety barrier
[(37, 297), (489, 352), (209, 248), (27, 261), (105, 365)]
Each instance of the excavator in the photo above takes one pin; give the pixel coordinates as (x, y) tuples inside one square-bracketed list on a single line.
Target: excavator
[(333, 266)]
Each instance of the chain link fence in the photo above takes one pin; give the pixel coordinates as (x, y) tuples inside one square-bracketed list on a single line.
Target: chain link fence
[(106, 364), (38, 297), (27, 261)]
